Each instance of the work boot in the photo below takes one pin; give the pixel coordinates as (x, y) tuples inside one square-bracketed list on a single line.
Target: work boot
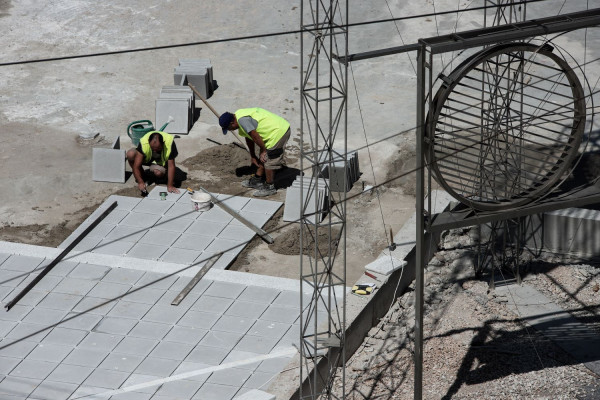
[(268, 189), (255, 182)]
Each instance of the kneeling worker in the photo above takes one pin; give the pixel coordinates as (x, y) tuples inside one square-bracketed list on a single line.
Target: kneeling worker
[(158, 151), (270, 133)]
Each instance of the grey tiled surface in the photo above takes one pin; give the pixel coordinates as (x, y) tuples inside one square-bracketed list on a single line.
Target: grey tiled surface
[(150, 228)]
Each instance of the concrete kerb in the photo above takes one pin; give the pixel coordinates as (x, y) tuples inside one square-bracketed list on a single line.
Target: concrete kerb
[(362, 313)]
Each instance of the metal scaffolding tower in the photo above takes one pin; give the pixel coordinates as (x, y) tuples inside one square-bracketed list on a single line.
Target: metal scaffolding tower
[(322, 240)]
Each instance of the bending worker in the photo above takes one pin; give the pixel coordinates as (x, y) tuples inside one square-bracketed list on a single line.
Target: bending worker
[(270, 133), (158, 151)]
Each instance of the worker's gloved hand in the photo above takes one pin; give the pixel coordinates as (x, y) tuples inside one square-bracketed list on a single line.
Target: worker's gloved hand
[(172, 189), (263, 156), (142, 187)]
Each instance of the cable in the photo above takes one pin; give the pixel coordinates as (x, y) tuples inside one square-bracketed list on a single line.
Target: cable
[(232, 39)]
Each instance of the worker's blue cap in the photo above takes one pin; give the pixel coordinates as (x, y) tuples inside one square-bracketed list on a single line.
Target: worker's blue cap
[(224, 120)]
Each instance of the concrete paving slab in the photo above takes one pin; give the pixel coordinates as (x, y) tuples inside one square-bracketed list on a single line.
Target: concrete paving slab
[(221, 339), (12, 278), (129, 309), (59, 301), (224, 261), (210, 391), (147, 251), (106, 379), (146, 295), (108, 165), (64, 336), (206, 227), (17, 348), (157, 366), (89, 271), (53, 390), (126, 233), (140, 220), (157, 280), (176, 222), (225, 289), (109, 290), (100, 341), (262, 206), (70, 373), (164, 314), (28, 330), (108, 246), (180, 256), (268, 329), (153, 207), (7, 364), (15, 386), (94, 305), (101, 230), (44, 316), (259, 294), (247, 309), (279, 314), (385, 265), (123, 276), (151, 330), (3, 257), (238, 233), (233, 324), (80, 321), (179, 109), (257, 344), (236, 203), (34, 369), (79, 287), (193, 242), (256, 218), (115, 326), (257, 381), (121, 362), (6, 327), (182, 334), (171, 350), (212, 304), (215, 214), (231, 376), (240, 355), (207, 355), (136, 346), (17, 313), (50, 352), (86, 357), (22, 263), (181, 389), (135, 379)]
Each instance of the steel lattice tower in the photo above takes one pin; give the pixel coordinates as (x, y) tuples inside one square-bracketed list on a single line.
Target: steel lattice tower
[(323, 122)]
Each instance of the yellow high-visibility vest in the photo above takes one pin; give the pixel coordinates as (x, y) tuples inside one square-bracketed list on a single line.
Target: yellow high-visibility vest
[(271, 127), (166, 152)]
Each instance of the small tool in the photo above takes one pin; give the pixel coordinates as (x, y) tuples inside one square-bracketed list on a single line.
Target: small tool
[(163, 195), (392, 246), (364, 288), (144, 193)]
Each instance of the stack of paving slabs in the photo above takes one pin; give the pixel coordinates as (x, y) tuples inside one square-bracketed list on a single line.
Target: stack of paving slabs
[(334, 171), (293, 207), (196, 72), (176, 102)]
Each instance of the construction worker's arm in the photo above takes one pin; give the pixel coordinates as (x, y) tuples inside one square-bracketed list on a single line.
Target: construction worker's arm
[(137, 171), (171, 176), (253, 158), (259, 142)]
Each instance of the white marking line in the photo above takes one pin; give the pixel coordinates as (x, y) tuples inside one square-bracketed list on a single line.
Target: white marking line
[(287, 352)]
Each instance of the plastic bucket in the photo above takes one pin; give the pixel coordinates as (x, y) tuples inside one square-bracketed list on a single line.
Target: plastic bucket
[(201, 202), (137, 129)]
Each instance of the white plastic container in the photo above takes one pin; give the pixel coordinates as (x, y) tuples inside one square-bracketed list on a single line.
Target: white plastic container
[(201, 202)]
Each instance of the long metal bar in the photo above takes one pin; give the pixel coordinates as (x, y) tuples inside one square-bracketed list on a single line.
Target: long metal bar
[(194, 281), (264, 235), (66, 251)]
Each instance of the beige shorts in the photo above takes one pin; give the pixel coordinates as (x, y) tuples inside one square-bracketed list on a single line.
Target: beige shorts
[(275, 154)]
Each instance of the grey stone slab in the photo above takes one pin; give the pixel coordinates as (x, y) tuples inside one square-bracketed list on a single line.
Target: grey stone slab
[(274, 365), (224, 340), (132, 396), (169, 295), (164, 314), (22, 263), (157, 366), (17, 348), (136, 379), (256, 218), (233, 324), (154, 194), (179, 109), (259, 294), (225, 289), (225, 245), (193, 242), (171, 350), (237, 233), (262, 206), (180, 389), (269, 329), (123, 276), (184, 280), (45, 316), (115, 216), (153, 207), (113, 247), (11, 278), (156, 280), (121, 362), (140, 220), (151, 330), (178, 213), (3, 257), (207, 355), (180, 256), (160, 238), (183, 334), (86, 357), (74, 286), (257, 344), (246, 309), (54, 390), (64, 336), (212, 304), (101, 230), (62, 269), (126, 233), (280, 314), (100, 341), (147, 251), (17, 313), (95, 305), (29, 331), (197, 318), (7, 326), (108, 165), (109, 290), (60, 301), (17, 386), (215, 214), (239, 355), (106, 379), (87, 244), (34, 369), (206, 228), (5, 292), (89, 272), (210, 391), (224, 260), (232, 376), (89, 392), (83, 321), (7, 364), (70, 373), (146, 295), (136, 346), (236, 203), (188, 366), (128, 309), (126, 203), (50, 352), (115, 326), (289, 299)]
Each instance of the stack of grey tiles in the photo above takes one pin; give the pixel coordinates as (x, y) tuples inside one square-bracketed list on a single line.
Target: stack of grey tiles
[(335, 174), (293, 208), (198, 73), (177, 102)]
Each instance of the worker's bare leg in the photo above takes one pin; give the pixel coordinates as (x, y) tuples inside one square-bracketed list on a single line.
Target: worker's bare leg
[(270, 175)]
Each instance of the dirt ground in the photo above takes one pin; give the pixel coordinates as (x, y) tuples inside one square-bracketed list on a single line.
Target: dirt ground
[(474, 346)]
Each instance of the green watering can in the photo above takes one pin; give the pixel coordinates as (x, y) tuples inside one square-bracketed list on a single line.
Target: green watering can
[(137, 129)]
